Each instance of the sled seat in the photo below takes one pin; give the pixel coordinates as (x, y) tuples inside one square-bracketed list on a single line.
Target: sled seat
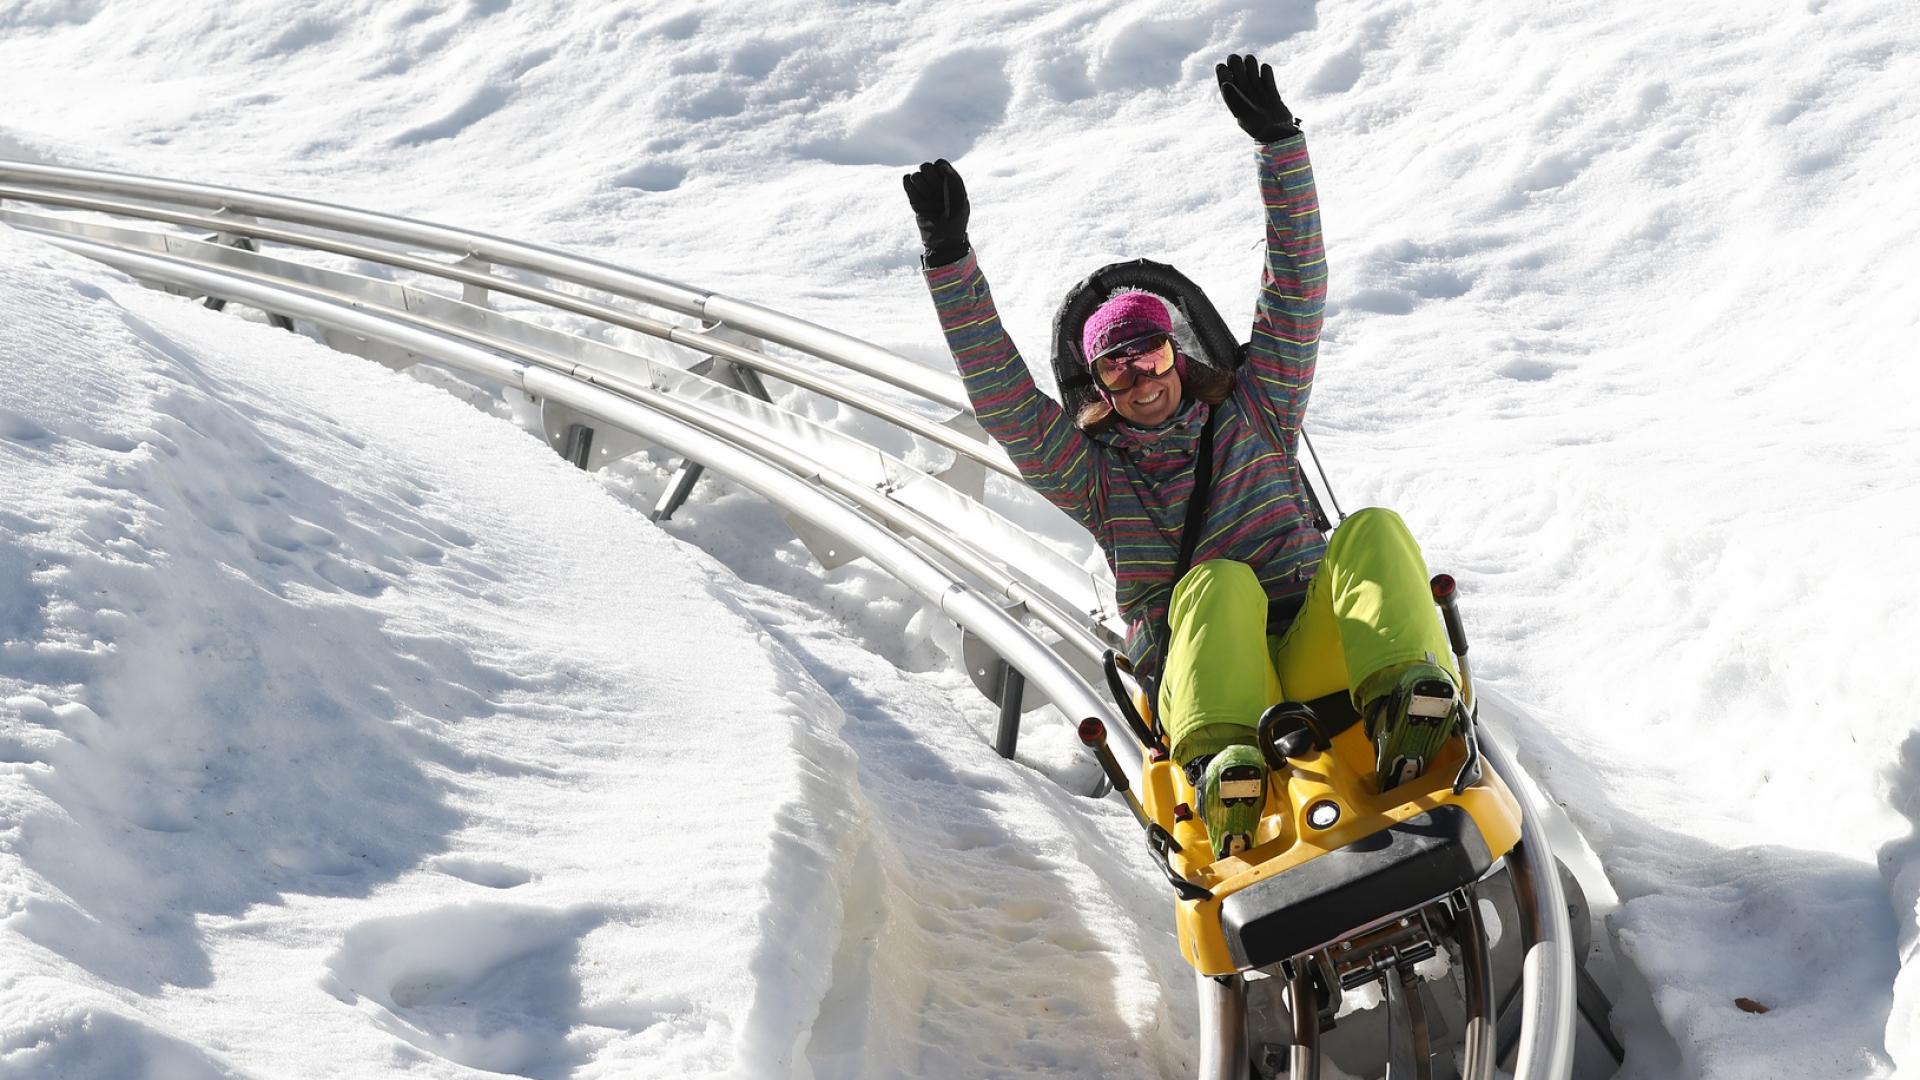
[(1394, 870)]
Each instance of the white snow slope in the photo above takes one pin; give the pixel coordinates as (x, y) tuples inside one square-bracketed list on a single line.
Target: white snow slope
[(347, 733)]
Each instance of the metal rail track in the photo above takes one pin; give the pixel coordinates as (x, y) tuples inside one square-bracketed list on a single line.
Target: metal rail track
[(1044, 627)]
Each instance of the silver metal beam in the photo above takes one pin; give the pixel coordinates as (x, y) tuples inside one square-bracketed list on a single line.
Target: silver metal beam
[(1303, 1060), (764, 323), (1223, 1027), (796, 493), (474, 281), (1476, 978), (1548, 1005), (920, 506)]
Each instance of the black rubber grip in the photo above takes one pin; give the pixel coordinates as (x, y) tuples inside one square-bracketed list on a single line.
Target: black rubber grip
[(1094, 734), (1142, 733), (1444, 593)]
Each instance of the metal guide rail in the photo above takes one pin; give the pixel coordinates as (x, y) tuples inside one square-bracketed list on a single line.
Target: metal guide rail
[(722, 362), (1036, 623)]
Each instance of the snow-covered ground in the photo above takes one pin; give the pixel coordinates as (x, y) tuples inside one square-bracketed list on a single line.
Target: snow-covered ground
[(344, 731)]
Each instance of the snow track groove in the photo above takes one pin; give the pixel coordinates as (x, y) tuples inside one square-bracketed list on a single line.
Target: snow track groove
[(975, 939)]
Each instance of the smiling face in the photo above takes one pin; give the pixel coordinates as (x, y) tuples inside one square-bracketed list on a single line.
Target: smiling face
[(1152, 399)]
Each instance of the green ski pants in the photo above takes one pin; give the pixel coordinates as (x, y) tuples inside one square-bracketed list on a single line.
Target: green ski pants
[(1368, 612)]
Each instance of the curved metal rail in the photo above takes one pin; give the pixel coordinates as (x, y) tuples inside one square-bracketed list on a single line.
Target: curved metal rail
[(684, 434), (663, 405), (481, 279), (53, 185), (1076, 603)]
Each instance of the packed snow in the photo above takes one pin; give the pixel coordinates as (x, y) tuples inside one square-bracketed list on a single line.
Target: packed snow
[(344, 730)]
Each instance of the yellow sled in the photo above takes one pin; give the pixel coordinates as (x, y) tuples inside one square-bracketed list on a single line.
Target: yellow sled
[(1333, 856)]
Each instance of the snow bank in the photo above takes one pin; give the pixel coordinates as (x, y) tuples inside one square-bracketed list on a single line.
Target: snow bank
[(320, 686)]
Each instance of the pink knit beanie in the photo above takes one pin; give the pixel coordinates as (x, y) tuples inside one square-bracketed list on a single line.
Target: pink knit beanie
[(1123, 317)]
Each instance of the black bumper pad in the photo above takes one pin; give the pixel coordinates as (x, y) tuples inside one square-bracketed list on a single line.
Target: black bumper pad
[(1400, 867)]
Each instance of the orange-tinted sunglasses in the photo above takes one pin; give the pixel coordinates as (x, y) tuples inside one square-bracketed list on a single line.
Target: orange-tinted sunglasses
[(1120, 366)]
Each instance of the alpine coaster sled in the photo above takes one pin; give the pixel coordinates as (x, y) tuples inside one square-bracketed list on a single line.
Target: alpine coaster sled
[(1348, 895)]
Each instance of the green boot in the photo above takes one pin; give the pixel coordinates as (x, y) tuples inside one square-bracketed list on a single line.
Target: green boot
[(1233, 795), (1411, 721)]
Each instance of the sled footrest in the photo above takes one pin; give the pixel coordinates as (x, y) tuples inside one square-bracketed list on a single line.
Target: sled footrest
[(1397, 869)]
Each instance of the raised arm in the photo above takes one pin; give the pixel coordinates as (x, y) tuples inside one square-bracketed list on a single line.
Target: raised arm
[(1049, 450), (1293, 286)]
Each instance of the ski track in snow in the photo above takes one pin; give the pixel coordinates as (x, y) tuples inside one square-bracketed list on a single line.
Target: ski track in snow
[(1643, 272), (983, 897)]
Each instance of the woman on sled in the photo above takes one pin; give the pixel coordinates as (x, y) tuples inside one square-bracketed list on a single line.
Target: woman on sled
[(1235, 603)]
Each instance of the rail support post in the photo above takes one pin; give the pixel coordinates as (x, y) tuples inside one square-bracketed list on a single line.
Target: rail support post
[(677, 490), (745, 380), (1013, 689), (243, 243), (471, 293), (579, 445)]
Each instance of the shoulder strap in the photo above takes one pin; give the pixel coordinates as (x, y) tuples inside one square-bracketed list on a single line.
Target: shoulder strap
[(1197, 501), (1196, 522)]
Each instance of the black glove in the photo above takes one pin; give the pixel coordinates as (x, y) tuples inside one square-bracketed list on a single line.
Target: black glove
[(1247, 86), (940, 208)]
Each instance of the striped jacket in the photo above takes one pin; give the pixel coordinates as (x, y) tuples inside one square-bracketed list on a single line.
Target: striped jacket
[(1129, 487)]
